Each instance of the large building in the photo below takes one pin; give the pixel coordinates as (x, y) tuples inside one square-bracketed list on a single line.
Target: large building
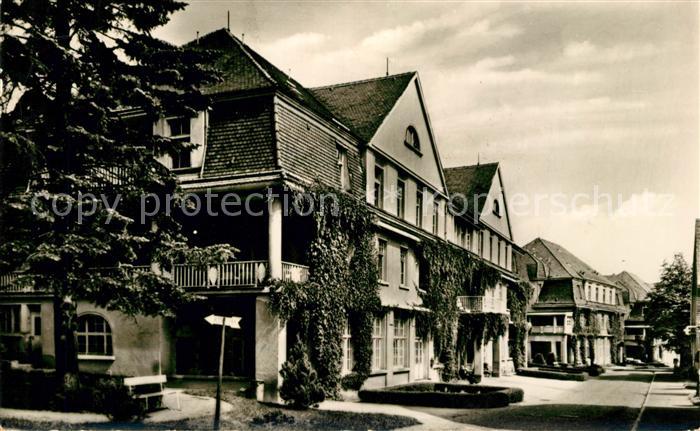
[(263, 130), (576, 312)]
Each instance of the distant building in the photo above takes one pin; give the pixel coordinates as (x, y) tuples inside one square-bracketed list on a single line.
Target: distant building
[(575, 310)]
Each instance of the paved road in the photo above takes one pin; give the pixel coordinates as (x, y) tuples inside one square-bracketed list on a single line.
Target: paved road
[(611, 402)]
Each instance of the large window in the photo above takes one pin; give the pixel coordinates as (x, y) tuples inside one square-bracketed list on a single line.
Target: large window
[(348, 360), (419, 207), (411, 138), (379, 186), (400, 198), (404, 266), (400, 343), (9, 319), (381, 259), (436, 214), (180, 132), (344, 169), (378, 336), (94, 336)]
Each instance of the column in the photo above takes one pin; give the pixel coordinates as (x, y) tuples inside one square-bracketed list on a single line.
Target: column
[(576, 341), (586, 351), (496, 357), (478, 358), (270, 351), (563, 355), (274, 238)]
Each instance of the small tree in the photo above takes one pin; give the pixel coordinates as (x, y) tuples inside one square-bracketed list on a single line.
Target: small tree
[(668, 310), (301, 387)]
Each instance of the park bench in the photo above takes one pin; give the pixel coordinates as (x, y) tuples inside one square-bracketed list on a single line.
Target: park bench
[(145, 387)]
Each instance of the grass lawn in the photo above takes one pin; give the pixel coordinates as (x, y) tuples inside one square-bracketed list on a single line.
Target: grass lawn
[(246, 414)]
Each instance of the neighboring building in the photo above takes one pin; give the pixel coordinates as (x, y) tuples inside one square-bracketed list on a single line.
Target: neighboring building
[(482, 226), (264, 130), (638, 343), (574, 309)]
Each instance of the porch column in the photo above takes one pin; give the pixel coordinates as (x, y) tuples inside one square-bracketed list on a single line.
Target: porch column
[(274, 238), (586, 351), (563, 355), (270, 351), (478, 358)]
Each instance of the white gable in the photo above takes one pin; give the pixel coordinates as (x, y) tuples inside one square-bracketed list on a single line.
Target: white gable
[(389, 138), (501, 223)]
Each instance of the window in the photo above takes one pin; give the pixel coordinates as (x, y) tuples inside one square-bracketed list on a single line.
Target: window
[(378, 362), (348, 360), (498, 246), (180, 132), (494, 247), (94, 336), (381, 260), (400, 198), (36, 326), (480, 243), (496, 207), (419, 207), (9, 319), (411, 138), (467, 239), (597, 296), (379, 186), (400, 343), (404, 266), (436, 211), (344, 169), (419, 350)]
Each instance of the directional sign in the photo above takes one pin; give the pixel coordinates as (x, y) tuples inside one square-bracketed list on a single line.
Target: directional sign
[(230, 321)]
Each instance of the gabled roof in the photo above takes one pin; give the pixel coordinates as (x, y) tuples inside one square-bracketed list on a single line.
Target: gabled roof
[(363, 105), (243, 69), (636, 288), (562, 263), (471, 182)]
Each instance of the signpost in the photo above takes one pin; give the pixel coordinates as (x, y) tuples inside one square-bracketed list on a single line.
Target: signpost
[(224, 321)]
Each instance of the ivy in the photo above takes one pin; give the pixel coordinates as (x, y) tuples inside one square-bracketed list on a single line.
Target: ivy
[(585, 323), (617, 332), (342, 282), (519, 296), (448, 271), (478, 328)]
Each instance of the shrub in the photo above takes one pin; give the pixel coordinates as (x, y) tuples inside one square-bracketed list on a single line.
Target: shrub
[(301, 388), (595, 370), (352, 381), (538, 359), (551, 359), (274, 418), (557, 375), (113, 399)]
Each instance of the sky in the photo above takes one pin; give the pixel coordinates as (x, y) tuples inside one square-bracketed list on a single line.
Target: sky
[(590, 108)]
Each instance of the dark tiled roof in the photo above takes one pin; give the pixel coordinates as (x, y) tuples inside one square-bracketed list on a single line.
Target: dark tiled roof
[(243, 69), (472, 182), (363, 105), (636, 288), (562, 263)]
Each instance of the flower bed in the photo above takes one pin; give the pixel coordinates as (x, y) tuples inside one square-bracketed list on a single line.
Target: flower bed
[(556, 375), (453, 395)]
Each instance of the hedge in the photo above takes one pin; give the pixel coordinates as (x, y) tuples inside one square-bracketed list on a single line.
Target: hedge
[(452, 395), (557, 375), (568, 370)]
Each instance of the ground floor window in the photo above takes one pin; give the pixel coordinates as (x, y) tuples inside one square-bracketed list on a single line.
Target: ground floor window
[(420, 349), (400, 343), (9, 319), (378, 337), (94, 336), (348, 360)]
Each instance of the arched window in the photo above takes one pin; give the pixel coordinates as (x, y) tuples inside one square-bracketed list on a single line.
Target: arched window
[(411, 138), (496, 207), (94, 336)]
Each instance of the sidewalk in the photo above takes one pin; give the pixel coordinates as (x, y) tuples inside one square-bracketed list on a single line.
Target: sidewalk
[(670, 394), (427, 421)]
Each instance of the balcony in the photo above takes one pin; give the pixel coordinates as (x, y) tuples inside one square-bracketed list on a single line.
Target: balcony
[(481, 304), (548, 329), (224, 276)]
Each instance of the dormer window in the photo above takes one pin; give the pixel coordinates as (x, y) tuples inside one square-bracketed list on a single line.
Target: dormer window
[(411, 138), (496, 207), (180, 132)]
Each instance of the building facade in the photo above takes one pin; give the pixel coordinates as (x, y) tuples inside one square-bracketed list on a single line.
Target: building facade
[(263, 131), (576, 311)]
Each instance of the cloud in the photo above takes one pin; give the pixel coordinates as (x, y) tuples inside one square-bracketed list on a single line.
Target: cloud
[(585, 51)]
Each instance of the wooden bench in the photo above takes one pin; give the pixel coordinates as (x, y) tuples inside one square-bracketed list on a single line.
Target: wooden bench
[(145, 387)]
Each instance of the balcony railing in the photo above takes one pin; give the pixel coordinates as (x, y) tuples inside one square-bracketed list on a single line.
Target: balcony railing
[(548, 329), (481, 304), (223, 276)]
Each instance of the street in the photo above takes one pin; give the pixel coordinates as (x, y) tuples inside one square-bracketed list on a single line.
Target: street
[(612, 401)]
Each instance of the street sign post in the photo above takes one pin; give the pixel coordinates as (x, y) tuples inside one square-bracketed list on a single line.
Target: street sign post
[(232, 322)]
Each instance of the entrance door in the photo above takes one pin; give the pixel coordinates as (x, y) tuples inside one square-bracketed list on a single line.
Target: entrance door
[(419, 367)]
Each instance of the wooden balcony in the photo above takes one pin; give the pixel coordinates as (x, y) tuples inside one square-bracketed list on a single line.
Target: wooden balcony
[(224, 276), (481, 304)]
